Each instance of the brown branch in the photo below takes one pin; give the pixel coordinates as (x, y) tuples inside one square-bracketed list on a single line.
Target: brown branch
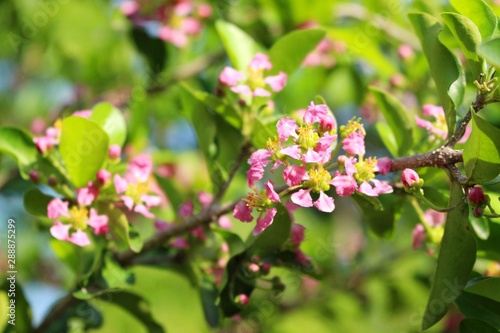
[(439, 158)]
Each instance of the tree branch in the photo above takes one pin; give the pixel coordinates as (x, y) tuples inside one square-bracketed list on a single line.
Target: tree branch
[(439, 158)]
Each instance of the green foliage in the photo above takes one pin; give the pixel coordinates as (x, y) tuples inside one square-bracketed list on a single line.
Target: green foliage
[(22, 315), (482, 151), (84, 149), (469, 325), (18, 144), (480, 308), (455, 261), (444, 68), (485, 286), (489, 50), (123, 234), (111, 120), (400, 124), (153, 49), (36, 202), (480, 13)]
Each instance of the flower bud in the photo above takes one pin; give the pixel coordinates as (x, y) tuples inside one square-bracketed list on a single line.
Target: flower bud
[(253, 268), (34, 176), (242, 299), (410, 179), (52, 181), (265, 268), (103, 176), (476, 196), (114, 152)]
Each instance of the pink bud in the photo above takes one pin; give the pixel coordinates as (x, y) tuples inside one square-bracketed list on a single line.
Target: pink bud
[(114, 151), (242, 299), (103, 176), (409, 177), (52, 181), (265, 268), (405, 51), (254, 268), (34, 176), (476, 196)]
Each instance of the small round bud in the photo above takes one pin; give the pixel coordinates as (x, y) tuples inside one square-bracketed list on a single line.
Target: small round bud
[(254, 268), (405, 51), (103, 176), (410, 179), (242, 102), (52, 181), (114, 152), (242, 299), (476, 196), (265, 268), (34, 176)]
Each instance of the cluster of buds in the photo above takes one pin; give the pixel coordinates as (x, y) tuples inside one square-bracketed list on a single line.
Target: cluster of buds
[(478, 201), (253, 84), (305, 151), (180, 19)]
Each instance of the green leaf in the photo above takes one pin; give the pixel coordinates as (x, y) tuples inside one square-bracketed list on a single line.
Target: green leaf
[(262, 133), (466, 33), (72, 319), (209, 294), (482, 151), (397, 118), (124, 234), (20, 146), (481, 308), (480, 225), (379, 213), (78, 259), (153, 49), (36, 202), (455, 260), (111, 121), (445, 69), (172, 191), (234, 242), (273, 237), (469, 325), (84, 148), (115, 275), (22, 311), (239, 46), (488, 287), (480, 13), (490, 51), (288, 53), (136, 306), (387, 137)]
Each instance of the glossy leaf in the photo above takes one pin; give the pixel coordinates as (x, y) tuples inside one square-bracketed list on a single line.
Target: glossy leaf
[(78, 259), (397, 118), (208, 295), (482, 151), (262, 133), (136, 306), (387, 137), (490, 51), (469, 325), (273, 237), (488, 287), (234, 242), (288, 53), (378, 213), (84, 148), (111, 121), (480, 13), (480, 225), (481, 308), (445, 70), (36, 202), (115, 275), (455, 260), (20, 146), (124, 234), (239, 46)]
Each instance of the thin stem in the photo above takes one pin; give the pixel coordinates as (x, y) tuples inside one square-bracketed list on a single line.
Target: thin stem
[(439, 158)]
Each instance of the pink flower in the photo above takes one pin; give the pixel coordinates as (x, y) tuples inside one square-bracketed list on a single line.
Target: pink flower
[(225, 222), (302, 198), (433, 110), (242, 212), (354, 144), (98, 222), (265, 221), (79, 238), (297, 234), (255, 173), (87, 195), (325, 143), (418, 236), (270, 193), (204, 198), (409, 177), (183, 8), (405, 51), (44, 143), (313, 156), (287, 128), (276, 82), (294, 174), (103, 176), (174, 36), (324, 203), (191, 26), (261, 92), (57, 208), (242, 89), (129, 8), (186, 209), (139, 168), (434, 218), (345, 185), (83, 113), (114, 151), (293, 151), (378, 188), (383, 165), (315, 113), (204, 10), (230, 77), (60, 231), (260, 156), (120, 183), (260, 62)]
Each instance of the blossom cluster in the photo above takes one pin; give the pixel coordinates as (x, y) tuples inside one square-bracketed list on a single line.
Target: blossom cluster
[(179, 20), (253, 83), (305, 150), (436, 126)]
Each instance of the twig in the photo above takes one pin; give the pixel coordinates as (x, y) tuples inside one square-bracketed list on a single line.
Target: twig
[(439, 158)]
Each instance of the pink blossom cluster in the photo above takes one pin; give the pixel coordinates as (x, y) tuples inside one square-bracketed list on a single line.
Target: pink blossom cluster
[(180, 19), (254, 84), (323, 54), (305, 151), (433, 219)]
